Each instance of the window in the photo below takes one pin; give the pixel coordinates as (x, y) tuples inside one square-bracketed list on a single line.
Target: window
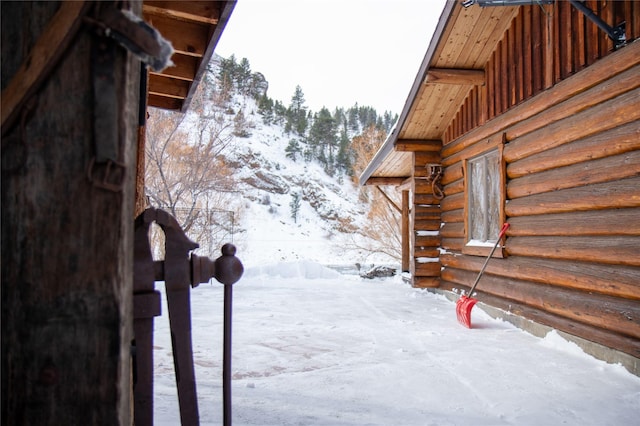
[(484, 202)]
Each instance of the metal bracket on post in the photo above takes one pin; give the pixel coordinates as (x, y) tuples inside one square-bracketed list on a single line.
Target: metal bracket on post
[(180, 270), (616, 34)]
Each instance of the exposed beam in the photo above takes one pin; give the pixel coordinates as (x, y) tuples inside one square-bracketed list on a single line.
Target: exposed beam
[(421, 145), (389, 200), (455, 76), (406, 185), (203, 12), (385, 181), (184, 68), (43, 57)]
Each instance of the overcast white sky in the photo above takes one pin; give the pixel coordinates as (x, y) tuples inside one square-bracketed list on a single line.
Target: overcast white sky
[(338, 51)]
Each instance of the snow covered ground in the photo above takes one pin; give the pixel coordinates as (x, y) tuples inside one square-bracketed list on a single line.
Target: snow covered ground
[(314, 347)]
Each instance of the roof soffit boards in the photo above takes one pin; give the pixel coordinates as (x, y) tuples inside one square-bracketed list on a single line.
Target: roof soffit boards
[(193, 28), (461, 46)]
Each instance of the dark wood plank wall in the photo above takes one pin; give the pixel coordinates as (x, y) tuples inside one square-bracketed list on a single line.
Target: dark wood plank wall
[(67, 245), (572, 158)]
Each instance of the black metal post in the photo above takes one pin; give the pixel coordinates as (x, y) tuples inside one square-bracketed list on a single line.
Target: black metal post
[(228, 270), (226, 357)]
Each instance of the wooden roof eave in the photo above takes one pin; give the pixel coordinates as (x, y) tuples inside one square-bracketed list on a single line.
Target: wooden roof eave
[(194, 33), (389, 144), (222, 22)]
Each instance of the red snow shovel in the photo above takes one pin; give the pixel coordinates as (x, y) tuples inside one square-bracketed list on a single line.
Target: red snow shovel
[(465, 303)]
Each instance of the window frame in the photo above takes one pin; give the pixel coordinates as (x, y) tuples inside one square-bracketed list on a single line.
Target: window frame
[(484, 249)]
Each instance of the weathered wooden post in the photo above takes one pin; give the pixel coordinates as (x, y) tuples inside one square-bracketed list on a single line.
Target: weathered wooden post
[(67, 257)]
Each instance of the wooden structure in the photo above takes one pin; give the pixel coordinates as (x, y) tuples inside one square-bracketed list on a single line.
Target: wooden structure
[(71, 107), (527, 114)]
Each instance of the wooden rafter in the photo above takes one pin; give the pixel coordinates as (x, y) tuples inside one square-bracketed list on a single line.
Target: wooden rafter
[(455, 76), (415, 145), (183, 10), (382, 181), (193, 28)]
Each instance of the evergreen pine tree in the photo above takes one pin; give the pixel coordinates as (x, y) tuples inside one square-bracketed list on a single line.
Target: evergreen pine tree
[(295, 206), (353, 122), (279, 113), (297, 113), (265, 109), (293, 149), (241, 125), (343, 158), (243, 76), (322, 135)]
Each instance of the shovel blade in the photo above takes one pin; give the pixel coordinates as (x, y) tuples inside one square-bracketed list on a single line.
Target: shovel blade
[(463, 310)]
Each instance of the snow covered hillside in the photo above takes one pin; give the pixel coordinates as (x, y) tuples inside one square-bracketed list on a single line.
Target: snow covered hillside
[(329, 210), (324, 224)]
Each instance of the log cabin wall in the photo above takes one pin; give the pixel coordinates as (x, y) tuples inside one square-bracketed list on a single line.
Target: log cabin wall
[(565, 112), (543, 46), (425, 222)]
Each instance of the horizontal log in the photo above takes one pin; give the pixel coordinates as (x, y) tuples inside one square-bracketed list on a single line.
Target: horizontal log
[(426, 225), (452, 173), (615, 250), (591, 172), (607, 338), (426, 212), (609, 195), (616, 141), (422, 186), (418, 145), (426, 269), (465, 77), (452, 230), (426, 241), (611, 313), (432, 252), (582, 115), (454, 187), (453, 244), (452, 202), (618, 281), (425, 282), (586, 104), (385, 181), (421, 159), (425, 200), (610, 66), (597, 222), (608, 115), (475, 149), (453, 216)]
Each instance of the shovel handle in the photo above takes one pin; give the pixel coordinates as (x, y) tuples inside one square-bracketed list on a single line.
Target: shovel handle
[(493, 249), (503, 230)]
